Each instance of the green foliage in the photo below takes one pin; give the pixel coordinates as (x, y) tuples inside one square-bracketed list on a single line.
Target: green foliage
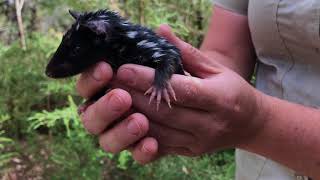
[(219, 166), (123, 160), (68, 117), (38, 116), (24, 86), (5, 154), (72, 148), (76, 5), (188, 20)]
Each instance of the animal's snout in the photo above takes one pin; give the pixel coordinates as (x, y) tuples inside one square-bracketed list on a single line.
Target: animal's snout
[(49, 73)]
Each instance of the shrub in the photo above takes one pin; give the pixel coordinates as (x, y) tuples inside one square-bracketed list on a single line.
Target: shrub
[(38, 116)]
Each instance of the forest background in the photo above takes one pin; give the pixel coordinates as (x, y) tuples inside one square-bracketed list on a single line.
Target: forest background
[(41, 136)]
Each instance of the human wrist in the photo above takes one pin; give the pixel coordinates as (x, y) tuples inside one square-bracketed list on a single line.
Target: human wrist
[(260, 119)]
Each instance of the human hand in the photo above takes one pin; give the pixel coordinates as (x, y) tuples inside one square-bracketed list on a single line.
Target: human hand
[(215, 110), (111, 117)]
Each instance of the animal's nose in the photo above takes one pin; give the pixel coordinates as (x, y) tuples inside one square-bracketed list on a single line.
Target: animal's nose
[(48, 72)]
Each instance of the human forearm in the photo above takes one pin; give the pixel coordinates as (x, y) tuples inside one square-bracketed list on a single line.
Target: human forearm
[(244, 68), (228, 42), (290, 135)]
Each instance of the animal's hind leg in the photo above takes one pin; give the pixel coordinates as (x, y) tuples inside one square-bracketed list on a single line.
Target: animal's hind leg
[(161, 86)]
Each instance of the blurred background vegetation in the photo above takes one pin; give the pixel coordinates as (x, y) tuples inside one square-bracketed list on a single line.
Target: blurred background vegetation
[(41, 136)]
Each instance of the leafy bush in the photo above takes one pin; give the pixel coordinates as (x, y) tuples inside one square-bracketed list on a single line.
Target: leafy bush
[(71, 148), (39, 115), (5, 154), (217, 166)]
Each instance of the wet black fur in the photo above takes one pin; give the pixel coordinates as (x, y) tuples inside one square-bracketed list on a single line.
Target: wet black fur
[(104, 35)]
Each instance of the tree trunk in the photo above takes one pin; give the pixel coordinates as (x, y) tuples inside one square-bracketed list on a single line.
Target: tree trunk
[(19, 6), (33, 25), (141, 12)]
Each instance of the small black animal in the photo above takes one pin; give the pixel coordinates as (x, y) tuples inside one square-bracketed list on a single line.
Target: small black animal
[(105, 35)]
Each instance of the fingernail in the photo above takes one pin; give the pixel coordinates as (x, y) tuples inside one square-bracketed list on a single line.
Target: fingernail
[(97, 73), (133, 127), (83, 117), (115, 102), (127, 75), (83, 107), (147, 148)]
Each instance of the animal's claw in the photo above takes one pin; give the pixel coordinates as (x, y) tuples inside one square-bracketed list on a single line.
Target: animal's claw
[(158, 99), (153, 95), (159, 93), (171, 91), (167, 98), (149, 91)]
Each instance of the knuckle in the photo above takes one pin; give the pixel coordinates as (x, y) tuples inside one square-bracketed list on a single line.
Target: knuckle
[(190, 49), (235, 105), (192, 88), (231, 102)]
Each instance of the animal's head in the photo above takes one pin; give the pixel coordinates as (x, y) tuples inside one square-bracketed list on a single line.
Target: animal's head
[(82, 45)]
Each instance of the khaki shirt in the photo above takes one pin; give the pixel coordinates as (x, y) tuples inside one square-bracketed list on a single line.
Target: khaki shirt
[(286, 37)]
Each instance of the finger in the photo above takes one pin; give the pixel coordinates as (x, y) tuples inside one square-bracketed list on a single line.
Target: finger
[(106, 110), (170, 137), (124, 134), (190, 91), (182, 117), (91, 81), (145, 151), (194, 61), (177, 117)]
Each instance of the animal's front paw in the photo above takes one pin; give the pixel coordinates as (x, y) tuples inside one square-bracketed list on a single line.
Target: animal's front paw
[(157, 93)]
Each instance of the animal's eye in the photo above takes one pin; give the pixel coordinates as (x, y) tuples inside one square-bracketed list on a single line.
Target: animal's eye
[(75, 51), (66, 36)]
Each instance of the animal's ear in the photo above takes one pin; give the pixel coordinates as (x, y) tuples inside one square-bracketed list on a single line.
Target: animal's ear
[(75, 14), (97, 26)]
